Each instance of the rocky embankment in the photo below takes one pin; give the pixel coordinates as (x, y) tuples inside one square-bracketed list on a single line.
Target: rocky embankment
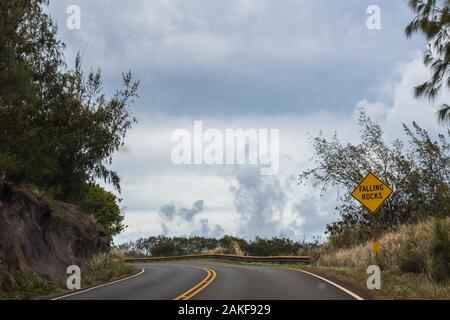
[(44, 237)]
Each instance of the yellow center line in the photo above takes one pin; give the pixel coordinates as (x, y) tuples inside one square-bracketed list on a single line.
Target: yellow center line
[(200, 286)]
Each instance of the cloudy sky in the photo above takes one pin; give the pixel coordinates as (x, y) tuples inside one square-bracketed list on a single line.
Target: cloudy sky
[(300, 66)]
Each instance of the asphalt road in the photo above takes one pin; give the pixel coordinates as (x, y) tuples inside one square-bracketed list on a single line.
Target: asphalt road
[(216, 281)]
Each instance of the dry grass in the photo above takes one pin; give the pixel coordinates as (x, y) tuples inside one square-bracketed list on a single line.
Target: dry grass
[(408, 249), (394, 286), (235, 250)]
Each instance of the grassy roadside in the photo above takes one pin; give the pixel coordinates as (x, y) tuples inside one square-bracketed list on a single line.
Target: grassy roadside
[(394, 286), (100, 269)]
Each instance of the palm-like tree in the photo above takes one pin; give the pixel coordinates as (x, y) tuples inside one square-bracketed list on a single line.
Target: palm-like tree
[(432, 19)]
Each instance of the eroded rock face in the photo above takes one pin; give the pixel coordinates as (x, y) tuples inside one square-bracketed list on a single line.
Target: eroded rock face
[(45, 238)]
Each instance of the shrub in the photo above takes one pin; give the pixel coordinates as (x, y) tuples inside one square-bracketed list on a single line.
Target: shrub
[(349, 237), (99, 261), (31, 285), (104, 206), (410, 259), (272, 247), (106, 266), (440, 253), (422, 248), (8, 164)]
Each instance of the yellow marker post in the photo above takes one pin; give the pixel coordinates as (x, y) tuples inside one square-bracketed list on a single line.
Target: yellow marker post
[(376, 246), (372, 193)]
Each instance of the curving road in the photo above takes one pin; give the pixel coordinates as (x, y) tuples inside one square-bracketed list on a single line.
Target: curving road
[(216, 281)]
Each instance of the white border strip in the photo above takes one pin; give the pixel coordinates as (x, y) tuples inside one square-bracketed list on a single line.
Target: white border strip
[(354, 295), (102, 285)]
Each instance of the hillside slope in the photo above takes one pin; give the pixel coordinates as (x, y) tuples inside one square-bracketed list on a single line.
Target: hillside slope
[(44, 237)]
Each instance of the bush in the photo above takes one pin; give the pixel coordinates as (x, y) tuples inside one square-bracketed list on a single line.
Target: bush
[(8, 165), (349, 237), (31, 285), (272, 247), (422, 248), (105, 267), (417, 168), (173, 246), (104, 206), (440, 253), (410, 259), (58, 128), (99, 269)]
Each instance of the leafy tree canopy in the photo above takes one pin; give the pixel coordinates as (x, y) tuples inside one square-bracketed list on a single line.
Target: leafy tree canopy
[(432, 20), (417, 170), (58, 130)]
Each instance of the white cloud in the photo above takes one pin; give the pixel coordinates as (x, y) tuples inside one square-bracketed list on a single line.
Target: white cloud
[(404, 107), (297, 66), (284, 208)]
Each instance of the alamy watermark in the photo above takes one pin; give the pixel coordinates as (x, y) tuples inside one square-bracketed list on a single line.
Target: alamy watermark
[(259, 147), (74, 280), (374, 280), (73, 21), (374, 19)]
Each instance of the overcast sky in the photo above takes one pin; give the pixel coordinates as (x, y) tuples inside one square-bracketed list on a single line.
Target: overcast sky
[(300, 66)]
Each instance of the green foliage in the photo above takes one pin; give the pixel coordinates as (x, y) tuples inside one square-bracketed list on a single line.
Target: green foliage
[(348, 236), (173, 246), (169, 246), (418, 173), (440, 252), (272, 247), (58, 130), (104, 206), (432, 20), (31, 285), (411, 260), (444, 114), (8, 164), (99, 269), (230, 243), (105, 267)]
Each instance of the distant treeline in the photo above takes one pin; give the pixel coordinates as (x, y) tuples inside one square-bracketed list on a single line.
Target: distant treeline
[(161, 246)]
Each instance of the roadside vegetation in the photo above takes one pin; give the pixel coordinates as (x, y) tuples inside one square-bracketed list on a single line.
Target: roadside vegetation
[(100, 269), (395, 286), (58, 129), (162, 246), (412, 227), (414, 259), (423, 248), (59, 132)]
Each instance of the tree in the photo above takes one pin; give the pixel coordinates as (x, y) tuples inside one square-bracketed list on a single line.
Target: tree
[(418, 173), (104, 206), (30, 59), (57, 129), (90, 128), (432, 19)]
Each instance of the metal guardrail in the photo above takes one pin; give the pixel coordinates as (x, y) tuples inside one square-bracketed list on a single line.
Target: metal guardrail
[(282, 259)]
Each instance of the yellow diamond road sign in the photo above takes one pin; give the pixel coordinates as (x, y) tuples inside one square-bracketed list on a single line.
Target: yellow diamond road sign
[(372, 192)]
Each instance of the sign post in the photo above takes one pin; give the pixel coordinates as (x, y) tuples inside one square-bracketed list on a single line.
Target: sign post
[(372, 192)]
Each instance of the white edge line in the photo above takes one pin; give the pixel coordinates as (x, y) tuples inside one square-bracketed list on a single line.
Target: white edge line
[(96, 287), (354, 295)]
